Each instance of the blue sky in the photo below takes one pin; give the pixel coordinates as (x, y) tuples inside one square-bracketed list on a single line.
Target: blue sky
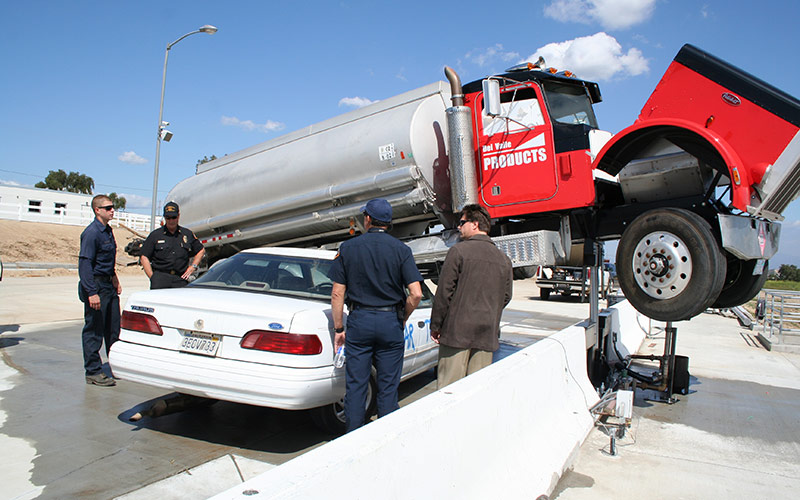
[(81, 80)]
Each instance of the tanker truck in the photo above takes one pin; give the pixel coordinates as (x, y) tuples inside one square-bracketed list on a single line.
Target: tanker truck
[(693, 189)]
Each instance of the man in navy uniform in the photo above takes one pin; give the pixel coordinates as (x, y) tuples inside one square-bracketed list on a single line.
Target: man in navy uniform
[(166, 252), (99, 290), (371, 273)]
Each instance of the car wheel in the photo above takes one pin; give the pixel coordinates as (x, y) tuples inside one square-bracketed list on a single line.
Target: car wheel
[(669, 264), (330, 418), (740, 283), (544, 293)]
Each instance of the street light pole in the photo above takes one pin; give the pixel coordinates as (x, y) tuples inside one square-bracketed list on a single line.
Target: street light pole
[(205, 29)]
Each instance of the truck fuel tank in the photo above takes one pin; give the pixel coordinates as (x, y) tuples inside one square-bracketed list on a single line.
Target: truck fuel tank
[(310, 184)]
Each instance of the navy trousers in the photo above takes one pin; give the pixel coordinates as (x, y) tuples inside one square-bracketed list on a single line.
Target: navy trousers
[(161, 279), (100, 325), (372, 337)]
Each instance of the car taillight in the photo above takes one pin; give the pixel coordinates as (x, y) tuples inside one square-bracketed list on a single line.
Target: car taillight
[(288, 343), (140, 322)]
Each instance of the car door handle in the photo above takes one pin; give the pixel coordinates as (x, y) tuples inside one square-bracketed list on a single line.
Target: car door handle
[(421, 324)]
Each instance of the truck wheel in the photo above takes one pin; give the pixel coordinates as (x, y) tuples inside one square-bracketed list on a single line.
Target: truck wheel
[(669, 264), (525, 272), (740, 283), (330, 418), (544, 293)]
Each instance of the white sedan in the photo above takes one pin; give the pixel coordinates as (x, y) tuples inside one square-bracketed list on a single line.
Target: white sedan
[(255, 329)]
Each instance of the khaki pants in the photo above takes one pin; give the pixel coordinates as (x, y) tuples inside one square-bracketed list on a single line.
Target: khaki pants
[(455, 363)]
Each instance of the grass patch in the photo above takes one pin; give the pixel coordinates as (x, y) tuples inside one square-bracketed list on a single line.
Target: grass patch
[(782, 285)]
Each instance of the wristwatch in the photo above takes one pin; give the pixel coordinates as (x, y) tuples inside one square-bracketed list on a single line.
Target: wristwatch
[(194, 266), (339, 330)]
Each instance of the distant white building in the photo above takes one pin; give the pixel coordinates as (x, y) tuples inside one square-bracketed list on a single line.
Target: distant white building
[(58, 207)]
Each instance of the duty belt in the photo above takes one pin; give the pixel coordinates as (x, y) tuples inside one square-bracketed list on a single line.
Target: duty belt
[(168, 272), (102, 277), (376, 308)]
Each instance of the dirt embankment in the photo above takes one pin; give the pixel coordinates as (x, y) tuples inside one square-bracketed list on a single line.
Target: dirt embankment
[(43, 242)]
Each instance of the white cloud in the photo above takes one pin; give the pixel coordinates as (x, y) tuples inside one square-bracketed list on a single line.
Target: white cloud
[(596, 57), (135, 201), (482, 57), (10, 183), (611, 14), (131, 158), (355, 102), (249, 125)]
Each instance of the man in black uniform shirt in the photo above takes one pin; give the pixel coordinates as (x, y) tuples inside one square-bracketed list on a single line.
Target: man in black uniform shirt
[(371, 273), (99, 290), (166, 252)]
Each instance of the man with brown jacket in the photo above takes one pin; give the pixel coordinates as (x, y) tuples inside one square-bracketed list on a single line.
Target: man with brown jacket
[(474, 287)]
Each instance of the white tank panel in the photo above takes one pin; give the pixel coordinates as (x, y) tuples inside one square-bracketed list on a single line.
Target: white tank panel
[(375, 151)]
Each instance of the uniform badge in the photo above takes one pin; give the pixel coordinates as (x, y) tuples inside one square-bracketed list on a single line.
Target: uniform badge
[(185, 240)]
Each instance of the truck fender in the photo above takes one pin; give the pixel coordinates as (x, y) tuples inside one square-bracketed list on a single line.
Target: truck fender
[(702, 142)]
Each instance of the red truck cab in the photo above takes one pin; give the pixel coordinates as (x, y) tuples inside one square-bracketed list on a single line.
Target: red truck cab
[(693, 188)]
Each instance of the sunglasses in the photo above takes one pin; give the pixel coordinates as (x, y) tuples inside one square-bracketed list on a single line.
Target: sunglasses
[(463, 221), (107, 207), (171, 218)]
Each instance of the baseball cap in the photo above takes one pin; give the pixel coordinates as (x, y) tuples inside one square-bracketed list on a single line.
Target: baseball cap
[(171, 209), (379, 209)]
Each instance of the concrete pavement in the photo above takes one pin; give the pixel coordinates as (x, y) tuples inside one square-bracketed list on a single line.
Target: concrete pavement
[(736, 435)]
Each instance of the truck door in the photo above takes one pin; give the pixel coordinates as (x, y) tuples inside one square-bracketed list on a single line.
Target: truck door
[(515, 149)]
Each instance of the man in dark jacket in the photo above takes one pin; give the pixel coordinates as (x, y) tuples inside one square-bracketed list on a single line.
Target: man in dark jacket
[(474, 287)]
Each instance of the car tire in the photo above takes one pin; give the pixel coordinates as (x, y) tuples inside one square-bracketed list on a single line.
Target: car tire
[(740, 283), (669, 264), (330, 418), (544, 293)]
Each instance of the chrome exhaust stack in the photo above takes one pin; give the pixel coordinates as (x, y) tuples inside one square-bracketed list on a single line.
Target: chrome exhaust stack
[(463, 181)]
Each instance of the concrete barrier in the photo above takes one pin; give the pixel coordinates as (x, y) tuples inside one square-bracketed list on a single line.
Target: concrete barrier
[(630, 332), (507, 431)]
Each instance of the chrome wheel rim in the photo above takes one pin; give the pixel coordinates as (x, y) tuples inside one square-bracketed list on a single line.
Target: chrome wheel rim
[(662, 265)]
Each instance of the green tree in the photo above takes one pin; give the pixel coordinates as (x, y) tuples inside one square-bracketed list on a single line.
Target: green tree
[(789, 272), (118, 201), (205, 159), (73, 182)]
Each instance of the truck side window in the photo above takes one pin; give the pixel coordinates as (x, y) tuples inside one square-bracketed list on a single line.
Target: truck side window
[(520, 110)]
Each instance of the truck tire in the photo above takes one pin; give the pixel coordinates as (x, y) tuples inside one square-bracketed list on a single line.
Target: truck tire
[(525, 272), (544, 293), (330, 418), (669, 264), (740, 284)]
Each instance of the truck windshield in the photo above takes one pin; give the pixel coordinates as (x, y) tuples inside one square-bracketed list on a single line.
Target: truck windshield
[(569, 104)]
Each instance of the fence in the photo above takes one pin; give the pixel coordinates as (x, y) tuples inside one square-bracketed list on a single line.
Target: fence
[(780, 310), (35, 213)]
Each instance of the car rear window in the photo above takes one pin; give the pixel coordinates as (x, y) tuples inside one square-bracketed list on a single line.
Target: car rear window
[(272, 274)]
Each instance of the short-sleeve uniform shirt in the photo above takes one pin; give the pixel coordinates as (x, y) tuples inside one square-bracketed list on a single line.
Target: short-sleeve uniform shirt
[(171, 251), (375, 267)]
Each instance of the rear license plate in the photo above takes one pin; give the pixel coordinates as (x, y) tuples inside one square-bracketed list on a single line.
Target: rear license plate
[(199, 343)]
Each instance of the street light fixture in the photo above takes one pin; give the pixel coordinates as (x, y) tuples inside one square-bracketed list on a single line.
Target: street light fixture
[(163, 133)]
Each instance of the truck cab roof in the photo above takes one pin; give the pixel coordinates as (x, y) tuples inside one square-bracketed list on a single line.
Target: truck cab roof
[(538, 76)]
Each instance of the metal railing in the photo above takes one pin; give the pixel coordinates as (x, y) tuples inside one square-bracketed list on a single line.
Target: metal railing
[(780, 315), (36, 213)]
